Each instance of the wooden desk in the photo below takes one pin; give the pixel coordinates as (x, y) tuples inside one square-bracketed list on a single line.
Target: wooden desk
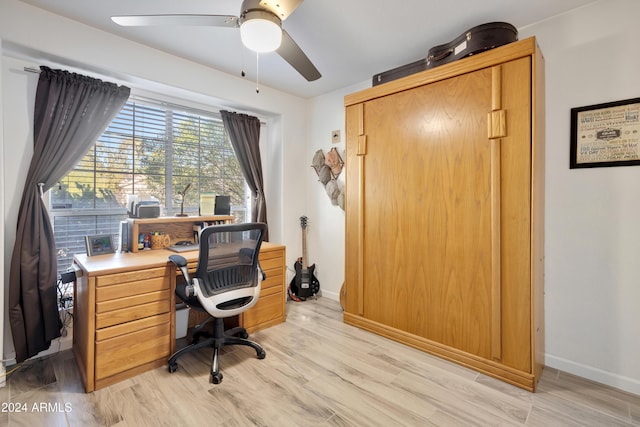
[(124, 310)]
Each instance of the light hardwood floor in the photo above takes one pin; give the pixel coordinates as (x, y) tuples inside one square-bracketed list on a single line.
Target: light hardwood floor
[(318, 371)]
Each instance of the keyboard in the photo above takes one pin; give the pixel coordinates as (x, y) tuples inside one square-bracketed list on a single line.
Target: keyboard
[(184, 248)]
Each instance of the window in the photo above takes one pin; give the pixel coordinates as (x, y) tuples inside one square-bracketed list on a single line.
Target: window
[(153, 151)]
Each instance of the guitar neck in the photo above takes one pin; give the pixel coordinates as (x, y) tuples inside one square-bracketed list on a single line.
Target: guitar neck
[(305, 265)]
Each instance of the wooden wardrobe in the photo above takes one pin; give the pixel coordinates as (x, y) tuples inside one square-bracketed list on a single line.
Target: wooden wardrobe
[(445, 211)]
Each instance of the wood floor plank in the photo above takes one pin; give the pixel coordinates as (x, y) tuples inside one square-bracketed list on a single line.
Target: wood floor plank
[(548, 407), (362, 407), (603, 399), (318, 372), (464, 400)]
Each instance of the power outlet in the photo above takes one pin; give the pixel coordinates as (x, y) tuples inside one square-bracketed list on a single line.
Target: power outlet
[(335, 136)]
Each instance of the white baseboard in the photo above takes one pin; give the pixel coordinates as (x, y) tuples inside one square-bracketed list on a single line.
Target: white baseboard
[(620, 382), (330, 295)]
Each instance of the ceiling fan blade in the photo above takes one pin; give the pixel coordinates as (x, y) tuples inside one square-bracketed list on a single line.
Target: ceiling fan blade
[(281, 8), (292, 53), (200, 20)]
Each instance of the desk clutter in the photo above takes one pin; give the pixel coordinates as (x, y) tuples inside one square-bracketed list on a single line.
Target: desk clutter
[(139, 234), (161, 240), (149, 208), (153, 240)]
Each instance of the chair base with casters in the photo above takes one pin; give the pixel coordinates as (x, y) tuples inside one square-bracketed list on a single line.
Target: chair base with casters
[(219, 339), (226, 283)]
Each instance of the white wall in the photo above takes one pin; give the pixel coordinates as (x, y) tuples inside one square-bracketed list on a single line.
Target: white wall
[(326, 221), (592, 237), (52, 40)]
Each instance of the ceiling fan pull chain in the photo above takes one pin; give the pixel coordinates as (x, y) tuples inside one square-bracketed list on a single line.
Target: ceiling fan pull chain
[(257, 72), (242, 73)]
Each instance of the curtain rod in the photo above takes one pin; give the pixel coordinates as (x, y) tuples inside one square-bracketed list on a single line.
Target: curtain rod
[(151, 100)]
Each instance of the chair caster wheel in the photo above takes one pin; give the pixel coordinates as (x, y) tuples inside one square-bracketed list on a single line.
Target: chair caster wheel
[(239, 333), (217, 378), (262, 354), (173, 367)]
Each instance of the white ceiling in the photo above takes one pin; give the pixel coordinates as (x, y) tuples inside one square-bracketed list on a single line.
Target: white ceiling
[(347, 40)]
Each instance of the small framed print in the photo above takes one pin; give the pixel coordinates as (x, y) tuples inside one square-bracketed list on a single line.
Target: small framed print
[(605, 135), (99, 244)]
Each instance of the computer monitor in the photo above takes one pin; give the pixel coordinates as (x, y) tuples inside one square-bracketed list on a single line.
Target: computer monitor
[(223, 205)]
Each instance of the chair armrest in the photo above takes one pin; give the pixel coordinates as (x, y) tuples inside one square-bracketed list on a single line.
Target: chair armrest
[(181, 263)]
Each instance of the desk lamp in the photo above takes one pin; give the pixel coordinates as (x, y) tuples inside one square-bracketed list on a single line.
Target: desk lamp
[(181, 194)]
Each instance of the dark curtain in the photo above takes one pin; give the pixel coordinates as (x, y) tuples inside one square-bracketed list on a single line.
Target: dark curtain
[(244, 133), (71, 112)]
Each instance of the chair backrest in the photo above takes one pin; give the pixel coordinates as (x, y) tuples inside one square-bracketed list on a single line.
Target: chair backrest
[(228, 257)]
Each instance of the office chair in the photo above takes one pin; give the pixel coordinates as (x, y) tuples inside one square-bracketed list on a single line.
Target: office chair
[(226, 283)]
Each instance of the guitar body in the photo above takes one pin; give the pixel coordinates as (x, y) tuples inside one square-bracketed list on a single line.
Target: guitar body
[(305, 283), (475, 40)]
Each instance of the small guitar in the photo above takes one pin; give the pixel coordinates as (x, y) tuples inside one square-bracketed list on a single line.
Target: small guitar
[(305, 283)]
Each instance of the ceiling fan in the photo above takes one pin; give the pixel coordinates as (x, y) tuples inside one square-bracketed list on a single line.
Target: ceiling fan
[(260, 24)]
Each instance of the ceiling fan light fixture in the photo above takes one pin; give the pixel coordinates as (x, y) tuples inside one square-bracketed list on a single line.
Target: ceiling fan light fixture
[(260, 31)]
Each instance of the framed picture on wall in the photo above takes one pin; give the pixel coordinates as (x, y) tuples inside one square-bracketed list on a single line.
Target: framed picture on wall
[(605, 134), (98, 245)]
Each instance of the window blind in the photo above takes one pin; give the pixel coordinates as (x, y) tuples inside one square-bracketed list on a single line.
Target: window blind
[(153, 151)]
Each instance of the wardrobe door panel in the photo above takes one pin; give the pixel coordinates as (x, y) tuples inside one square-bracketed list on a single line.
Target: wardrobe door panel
[(427, 212), (516, 216)]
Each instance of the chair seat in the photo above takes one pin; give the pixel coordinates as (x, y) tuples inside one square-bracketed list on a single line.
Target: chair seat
[(193, 302)]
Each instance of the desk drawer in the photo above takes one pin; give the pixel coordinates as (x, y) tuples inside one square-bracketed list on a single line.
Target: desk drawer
[(132, 301), (129, 351), (128, 314), (123, 290), (269, 307), (133, 276), (134, 326), (271, 258), (272, 263), (268, 253), (274, 278)]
